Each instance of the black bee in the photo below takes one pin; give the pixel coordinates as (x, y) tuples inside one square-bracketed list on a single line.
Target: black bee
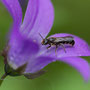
[(58, 41)]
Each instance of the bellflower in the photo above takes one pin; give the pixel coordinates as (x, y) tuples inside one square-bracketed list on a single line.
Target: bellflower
[(25, 54)]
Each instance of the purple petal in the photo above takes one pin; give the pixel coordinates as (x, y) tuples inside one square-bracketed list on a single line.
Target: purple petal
[(14, 9), (21, 49), (30, 16), (36, 64), (80, 48), (80, 64), (38, 18)]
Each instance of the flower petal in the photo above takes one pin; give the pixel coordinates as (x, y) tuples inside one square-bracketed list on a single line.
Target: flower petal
[(14, 9), (36, 64), (80, 64), (38, 19), (21, 49), (80, 48), (30, 16)]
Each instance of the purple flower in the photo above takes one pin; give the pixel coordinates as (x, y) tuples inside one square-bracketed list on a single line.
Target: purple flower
[(25, 48)]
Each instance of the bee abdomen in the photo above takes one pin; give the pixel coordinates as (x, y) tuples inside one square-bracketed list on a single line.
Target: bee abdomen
[(73, 42), (68, 42)]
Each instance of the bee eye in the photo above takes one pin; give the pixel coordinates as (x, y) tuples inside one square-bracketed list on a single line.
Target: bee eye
[(42, 42)]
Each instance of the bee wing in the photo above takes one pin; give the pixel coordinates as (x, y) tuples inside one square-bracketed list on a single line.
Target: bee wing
[(58, 39)]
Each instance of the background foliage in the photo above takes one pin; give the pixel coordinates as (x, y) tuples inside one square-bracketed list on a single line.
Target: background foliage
[(71, 16)]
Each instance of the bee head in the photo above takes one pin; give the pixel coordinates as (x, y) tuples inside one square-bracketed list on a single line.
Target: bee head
[(44, 42)]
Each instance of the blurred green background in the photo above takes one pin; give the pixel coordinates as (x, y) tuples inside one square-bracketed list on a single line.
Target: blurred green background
[(71, 16)]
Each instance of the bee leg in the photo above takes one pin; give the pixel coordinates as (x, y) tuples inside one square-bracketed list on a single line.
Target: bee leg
[(49, 46), (56, 49), (63, 47)]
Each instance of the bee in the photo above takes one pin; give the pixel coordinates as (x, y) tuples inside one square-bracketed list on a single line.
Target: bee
[(58, 41)]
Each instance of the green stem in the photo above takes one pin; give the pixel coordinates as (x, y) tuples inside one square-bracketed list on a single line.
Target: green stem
[(4, 76), (2, 79)]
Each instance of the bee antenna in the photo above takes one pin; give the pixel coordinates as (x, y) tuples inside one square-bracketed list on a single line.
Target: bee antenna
[(41, 36)]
